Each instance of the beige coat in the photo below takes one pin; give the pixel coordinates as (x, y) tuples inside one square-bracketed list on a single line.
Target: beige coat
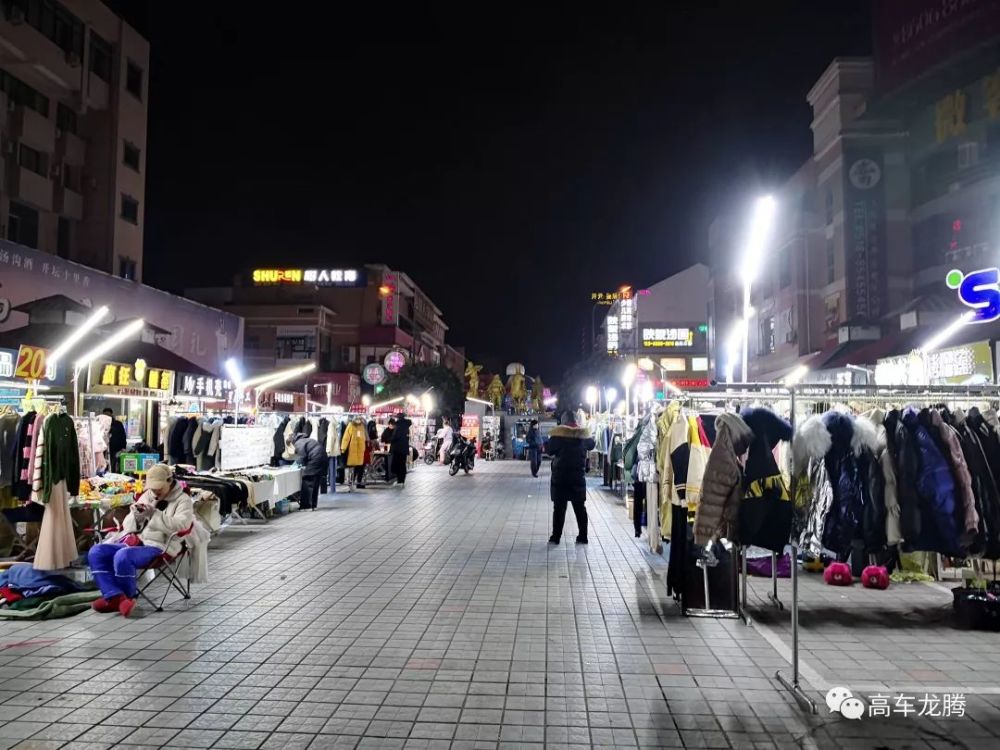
[(157, 528)]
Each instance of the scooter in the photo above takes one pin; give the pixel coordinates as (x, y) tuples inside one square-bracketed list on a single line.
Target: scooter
[(431, 448), (462, 455)]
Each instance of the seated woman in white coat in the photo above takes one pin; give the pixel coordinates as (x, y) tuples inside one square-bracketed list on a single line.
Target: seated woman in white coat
[(161, 515)]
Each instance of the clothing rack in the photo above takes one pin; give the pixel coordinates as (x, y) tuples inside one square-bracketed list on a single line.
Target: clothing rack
[(814, 393)]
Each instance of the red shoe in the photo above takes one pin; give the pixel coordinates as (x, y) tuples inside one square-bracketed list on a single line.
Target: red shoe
[(104, 606), (126, 606)]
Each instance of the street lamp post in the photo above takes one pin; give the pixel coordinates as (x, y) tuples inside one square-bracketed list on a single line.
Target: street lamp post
[(628, 377), (760, 230)]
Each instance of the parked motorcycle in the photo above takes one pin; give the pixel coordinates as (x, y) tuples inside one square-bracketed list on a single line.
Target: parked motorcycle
[(431, 448), (462, 455)]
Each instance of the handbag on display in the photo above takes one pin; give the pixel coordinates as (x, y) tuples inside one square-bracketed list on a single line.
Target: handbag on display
[(875, 577), (838, 574)]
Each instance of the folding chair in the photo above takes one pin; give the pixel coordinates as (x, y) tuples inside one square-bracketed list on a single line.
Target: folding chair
[(168, 568)]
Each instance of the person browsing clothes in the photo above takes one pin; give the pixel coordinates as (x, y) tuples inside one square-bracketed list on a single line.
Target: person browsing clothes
[(568, 446), (311, 456), (154, 526)]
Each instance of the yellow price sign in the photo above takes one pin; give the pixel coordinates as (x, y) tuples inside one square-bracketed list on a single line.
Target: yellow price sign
[(31, 362)]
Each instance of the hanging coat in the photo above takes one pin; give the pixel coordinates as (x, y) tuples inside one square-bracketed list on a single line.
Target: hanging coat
[(846, 468), (968, 517), (983, 457), (354, 442), (936, 488), (887, 479), (907, 464), (766, 511), (722, 487)]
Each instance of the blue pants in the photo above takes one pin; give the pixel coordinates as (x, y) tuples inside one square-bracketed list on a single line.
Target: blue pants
[(331, 478), (535, 456), (116, 567)]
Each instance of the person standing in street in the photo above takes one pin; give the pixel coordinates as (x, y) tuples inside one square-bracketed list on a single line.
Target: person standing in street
[(117, 440), (385, 442), (399, 448), (311, 456), (534, 446), (568, 446)]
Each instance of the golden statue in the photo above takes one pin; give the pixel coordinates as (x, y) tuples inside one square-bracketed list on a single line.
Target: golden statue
[(538, 395), (518, 394), (472, 373), (495, 392)]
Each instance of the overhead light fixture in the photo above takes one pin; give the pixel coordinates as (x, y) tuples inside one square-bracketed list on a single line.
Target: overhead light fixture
[(760, 230), (391, 401), (947, 332), (233, 370), (628, 376), (590, 395), (81, 330), (109, 343), (282, 377), (796, 375)]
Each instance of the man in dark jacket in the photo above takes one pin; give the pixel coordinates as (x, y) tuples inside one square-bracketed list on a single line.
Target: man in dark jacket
[(311, 456), (117, 440), (399, 448), (568, 446), (534, 446)]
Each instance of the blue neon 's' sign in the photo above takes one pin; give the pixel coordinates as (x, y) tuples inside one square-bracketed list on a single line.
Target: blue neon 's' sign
[(979, 290)]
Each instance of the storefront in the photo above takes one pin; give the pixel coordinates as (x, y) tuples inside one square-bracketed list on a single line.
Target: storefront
[(134, 391), (966, 364)]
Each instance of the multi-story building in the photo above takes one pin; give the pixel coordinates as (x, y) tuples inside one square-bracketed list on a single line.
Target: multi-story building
[(664, 326), (343, 319), (73, 107), (903, 185)]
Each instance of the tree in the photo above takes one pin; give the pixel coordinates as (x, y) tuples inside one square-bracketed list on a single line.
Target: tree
[(598, 370), (418, 377)]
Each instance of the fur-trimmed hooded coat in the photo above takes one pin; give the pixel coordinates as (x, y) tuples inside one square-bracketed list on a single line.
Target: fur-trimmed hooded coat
[(568, 447), (722, 487)]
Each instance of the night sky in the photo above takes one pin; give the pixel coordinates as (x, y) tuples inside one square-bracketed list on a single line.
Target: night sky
[(509, 160)]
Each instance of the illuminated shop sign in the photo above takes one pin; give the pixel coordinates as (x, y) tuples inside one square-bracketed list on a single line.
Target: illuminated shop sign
[(970, 364), (374, 374), (395, 361), (348, 277), (656, 338), (137, 379), (612, 323), (205, 386), (979, 290)]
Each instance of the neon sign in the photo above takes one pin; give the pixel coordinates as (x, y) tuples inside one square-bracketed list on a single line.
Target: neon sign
[(979, 290), (349, 277)]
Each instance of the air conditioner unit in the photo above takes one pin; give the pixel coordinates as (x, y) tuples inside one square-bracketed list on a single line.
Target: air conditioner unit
[(15, 15), (73, 59)]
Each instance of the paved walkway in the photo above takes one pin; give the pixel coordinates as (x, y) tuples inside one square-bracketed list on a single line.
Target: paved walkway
[(434, 616)]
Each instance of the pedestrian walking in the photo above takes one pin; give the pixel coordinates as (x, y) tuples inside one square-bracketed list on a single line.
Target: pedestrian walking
[(568, 446), (385, 439), (399, 448), (534, 446)]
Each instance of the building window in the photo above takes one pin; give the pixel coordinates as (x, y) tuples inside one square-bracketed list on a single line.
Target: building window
[(130, 209), (766, 343), (785, 268), (133, 80), (673, 364), (21, 93), (100, 57), (22, 225), (699, 364), (968, 154), (829, 207), (53, 21), (32, 160), (62, 238), (251, 341), (70, 178), (831, 264), (295, 347), (126, 268), (347, 354), (131, 155), (65, 118)]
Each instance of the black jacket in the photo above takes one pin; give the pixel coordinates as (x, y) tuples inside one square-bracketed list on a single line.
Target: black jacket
[(568, 447), (907, 461), (279, 438), (118, 439), (401, 435), (310, 455)]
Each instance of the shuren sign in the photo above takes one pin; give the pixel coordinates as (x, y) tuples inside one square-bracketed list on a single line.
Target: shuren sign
[(979, 290), (347, 277)]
